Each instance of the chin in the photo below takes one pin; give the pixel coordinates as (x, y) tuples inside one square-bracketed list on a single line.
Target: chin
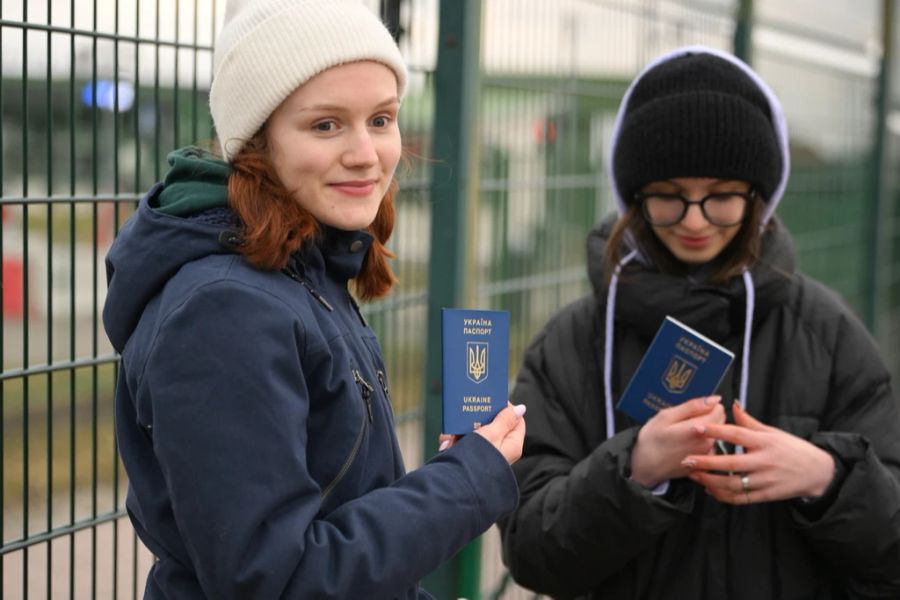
[(695, 259), (354, 224)]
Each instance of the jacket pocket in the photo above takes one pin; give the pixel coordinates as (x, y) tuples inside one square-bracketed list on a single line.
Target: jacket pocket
[(366, 390)]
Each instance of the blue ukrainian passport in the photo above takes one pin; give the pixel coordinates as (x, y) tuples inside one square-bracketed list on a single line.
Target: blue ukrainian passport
[(679, 365), (475, 359)]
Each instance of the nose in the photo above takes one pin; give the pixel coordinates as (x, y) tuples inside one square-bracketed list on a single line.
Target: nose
[(360, 151), (694, 218)]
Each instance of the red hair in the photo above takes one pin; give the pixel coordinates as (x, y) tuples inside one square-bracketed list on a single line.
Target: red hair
[(276, 225)]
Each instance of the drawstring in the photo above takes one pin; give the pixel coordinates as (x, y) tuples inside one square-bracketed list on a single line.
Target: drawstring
[(608, 345), (745, 352), (748, 331)]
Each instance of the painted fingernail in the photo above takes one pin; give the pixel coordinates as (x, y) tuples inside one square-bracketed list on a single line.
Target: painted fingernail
[(519, 409), (689, 462), (444, 445)]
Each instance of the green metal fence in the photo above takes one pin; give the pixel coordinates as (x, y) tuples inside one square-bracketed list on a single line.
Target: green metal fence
[(92, 96), (511, 102)]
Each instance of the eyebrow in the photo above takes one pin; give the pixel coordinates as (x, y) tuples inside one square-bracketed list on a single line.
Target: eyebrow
[(337, 107)]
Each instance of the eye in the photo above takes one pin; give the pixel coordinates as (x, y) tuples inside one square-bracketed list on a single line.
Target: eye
[(663, 197), (381, 121), (325, 126), (727, 197)]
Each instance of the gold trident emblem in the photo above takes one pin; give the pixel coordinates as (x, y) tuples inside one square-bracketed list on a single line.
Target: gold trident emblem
[(678, 375), (477, 361)]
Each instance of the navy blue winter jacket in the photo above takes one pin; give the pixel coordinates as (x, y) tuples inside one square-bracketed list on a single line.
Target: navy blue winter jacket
[(253, 419)]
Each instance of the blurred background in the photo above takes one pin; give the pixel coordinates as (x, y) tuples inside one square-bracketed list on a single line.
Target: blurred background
[(506, 126)]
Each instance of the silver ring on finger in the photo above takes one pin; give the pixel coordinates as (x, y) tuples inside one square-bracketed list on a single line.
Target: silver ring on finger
[(745, 483)]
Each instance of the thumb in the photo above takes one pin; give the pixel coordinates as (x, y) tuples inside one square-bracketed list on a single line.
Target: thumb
[(745, 419), (509, 417), (512, 414)]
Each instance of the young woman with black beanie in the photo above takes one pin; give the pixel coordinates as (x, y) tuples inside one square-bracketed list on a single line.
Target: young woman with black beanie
[(806, 502)]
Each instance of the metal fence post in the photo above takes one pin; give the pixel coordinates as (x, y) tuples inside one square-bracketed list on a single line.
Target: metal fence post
[(877, 250), (743, 31), (453, 184)]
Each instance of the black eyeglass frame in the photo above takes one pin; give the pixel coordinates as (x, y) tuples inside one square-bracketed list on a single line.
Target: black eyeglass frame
[(748, 197)]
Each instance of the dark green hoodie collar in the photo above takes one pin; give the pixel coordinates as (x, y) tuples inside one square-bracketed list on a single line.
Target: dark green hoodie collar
[(197, 181)]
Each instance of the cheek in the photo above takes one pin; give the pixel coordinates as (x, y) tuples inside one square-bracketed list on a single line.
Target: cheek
[(302, 168), (278, 157), (293, 153), (730, 233), (390, 152)]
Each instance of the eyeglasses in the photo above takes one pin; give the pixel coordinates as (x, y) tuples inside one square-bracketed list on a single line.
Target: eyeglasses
[(723, 209)]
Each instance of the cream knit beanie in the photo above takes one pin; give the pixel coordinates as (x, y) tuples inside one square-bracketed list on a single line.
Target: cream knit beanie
[(268, 48)]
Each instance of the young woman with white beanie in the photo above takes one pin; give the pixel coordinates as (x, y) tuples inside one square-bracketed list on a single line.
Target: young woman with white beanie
[(252, 410)]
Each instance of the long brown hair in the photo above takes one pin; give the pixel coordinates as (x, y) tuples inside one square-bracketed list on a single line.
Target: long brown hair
[(275, 225), (741, 253)]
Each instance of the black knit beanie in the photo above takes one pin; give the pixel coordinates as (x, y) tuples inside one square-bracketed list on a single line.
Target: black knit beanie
[(697, 115)]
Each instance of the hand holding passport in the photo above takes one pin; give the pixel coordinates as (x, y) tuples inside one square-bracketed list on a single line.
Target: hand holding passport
[(679, 365)]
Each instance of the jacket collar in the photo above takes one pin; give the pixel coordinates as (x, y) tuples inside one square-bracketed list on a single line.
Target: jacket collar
[(338, 253)]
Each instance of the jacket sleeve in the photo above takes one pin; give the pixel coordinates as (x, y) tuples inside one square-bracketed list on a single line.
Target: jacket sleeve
[(859, 531), (230, 418), (580, 518)]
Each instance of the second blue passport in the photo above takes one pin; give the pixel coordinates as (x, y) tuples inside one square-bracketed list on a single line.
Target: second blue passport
[(680, 364)]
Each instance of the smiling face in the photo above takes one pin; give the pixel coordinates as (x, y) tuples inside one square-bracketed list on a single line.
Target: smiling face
[(334, 142), (694, 240)]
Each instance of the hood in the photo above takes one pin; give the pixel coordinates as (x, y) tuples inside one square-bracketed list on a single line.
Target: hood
[(777, 114), (151, 247), (197, 180)]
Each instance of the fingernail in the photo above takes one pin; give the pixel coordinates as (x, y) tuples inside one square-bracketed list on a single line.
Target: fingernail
[(519, 409), (700, 429), (712, 400), (737, 405), (444, 445), (689, 462)]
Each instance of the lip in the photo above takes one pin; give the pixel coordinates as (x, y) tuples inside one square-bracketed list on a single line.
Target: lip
[(356, 187), (694, 241)]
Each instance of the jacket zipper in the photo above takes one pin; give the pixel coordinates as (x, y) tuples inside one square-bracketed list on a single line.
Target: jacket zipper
[(366, 390), (359, 314), (382, 379), (292, 272)]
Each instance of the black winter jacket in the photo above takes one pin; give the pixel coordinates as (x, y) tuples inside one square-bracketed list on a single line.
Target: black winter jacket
[(583, 529)]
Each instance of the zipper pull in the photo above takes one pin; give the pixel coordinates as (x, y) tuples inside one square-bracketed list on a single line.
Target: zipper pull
[(366, 389), (382, 379), (317, 296), (292, 272)]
